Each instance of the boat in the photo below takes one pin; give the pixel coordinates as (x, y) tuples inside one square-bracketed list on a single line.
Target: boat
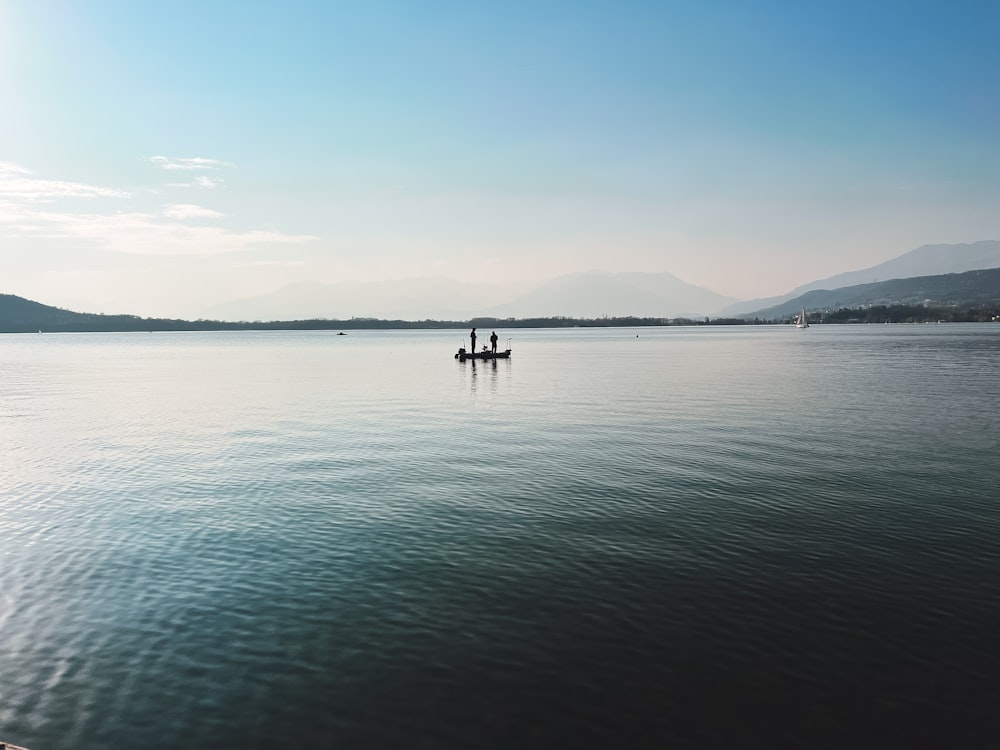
[(463, 355), (800, 321)]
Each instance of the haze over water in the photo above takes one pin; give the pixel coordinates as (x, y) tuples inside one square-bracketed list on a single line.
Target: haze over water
[(738, 536)]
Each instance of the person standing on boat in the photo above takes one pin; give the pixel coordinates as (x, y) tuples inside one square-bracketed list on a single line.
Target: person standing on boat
[(472, 336), (493, 342)]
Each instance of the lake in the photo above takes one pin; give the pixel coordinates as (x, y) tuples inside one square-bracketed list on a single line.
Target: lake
[(654, 537)]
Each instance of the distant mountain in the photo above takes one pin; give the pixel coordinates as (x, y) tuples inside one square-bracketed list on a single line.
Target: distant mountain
[(579, 295), (980, 287), (404, 299), (927, 260), (971, 292), (19, 315), (597, 293)]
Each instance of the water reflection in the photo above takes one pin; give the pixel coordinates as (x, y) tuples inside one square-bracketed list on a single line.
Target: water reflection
[(492, 370)]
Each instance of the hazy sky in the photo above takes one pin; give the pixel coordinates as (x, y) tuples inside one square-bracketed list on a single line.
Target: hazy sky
[(159, 156)]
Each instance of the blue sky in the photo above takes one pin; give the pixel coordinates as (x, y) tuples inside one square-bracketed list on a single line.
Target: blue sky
[(157, 157)]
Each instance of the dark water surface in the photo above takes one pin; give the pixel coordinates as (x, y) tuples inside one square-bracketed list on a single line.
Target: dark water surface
[(731, 537)]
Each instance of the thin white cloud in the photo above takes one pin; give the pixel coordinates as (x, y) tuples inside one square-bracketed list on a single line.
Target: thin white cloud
[(193, 164), (201, 181), (187, 164), (25, 213), (17, 183), (183, 211), (138, 233), (209, 183), (277, 263), (12, 168)]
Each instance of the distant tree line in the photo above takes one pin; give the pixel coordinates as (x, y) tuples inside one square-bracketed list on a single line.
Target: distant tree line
[(913, 314), (18, 315), (81, 322)]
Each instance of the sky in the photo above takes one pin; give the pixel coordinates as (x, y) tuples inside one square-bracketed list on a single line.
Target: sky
[(157, 158)]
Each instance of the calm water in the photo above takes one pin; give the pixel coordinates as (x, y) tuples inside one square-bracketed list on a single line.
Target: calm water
[(698, 537)]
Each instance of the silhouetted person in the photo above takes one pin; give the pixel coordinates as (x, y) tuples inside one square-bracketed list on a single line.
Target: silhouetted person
[(472, 336), (493, 341)]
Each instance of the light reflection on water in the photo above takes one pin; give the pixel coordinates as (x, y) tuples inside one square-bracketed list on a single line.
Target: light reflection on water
[(690, 535)]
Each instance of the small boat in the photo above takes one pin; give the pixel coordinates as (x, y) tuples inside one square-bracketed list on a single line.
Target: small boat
[(800, 321), (463, 355)]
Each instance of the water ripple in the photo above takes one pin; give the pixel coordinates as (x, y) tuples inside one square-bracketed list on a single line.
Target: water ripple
[(691, 539)]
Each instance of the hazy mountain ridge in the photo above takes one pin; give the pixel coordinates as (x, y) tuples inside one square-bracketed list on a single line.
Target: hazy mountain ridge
[(20, 315), (583, 295), (979, 287), (587, 295), (593, 294), (926, 260), (436, 298)]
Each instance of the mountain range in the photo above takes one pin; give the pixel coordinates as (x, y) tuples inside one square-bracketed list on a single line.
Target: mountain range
[(944, 275), (972, 288), (926, 260), (589, 294)]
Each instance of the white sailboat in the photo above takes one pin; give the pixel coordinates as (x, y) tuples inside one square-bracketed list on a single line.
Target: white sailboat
[(800, 321)]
